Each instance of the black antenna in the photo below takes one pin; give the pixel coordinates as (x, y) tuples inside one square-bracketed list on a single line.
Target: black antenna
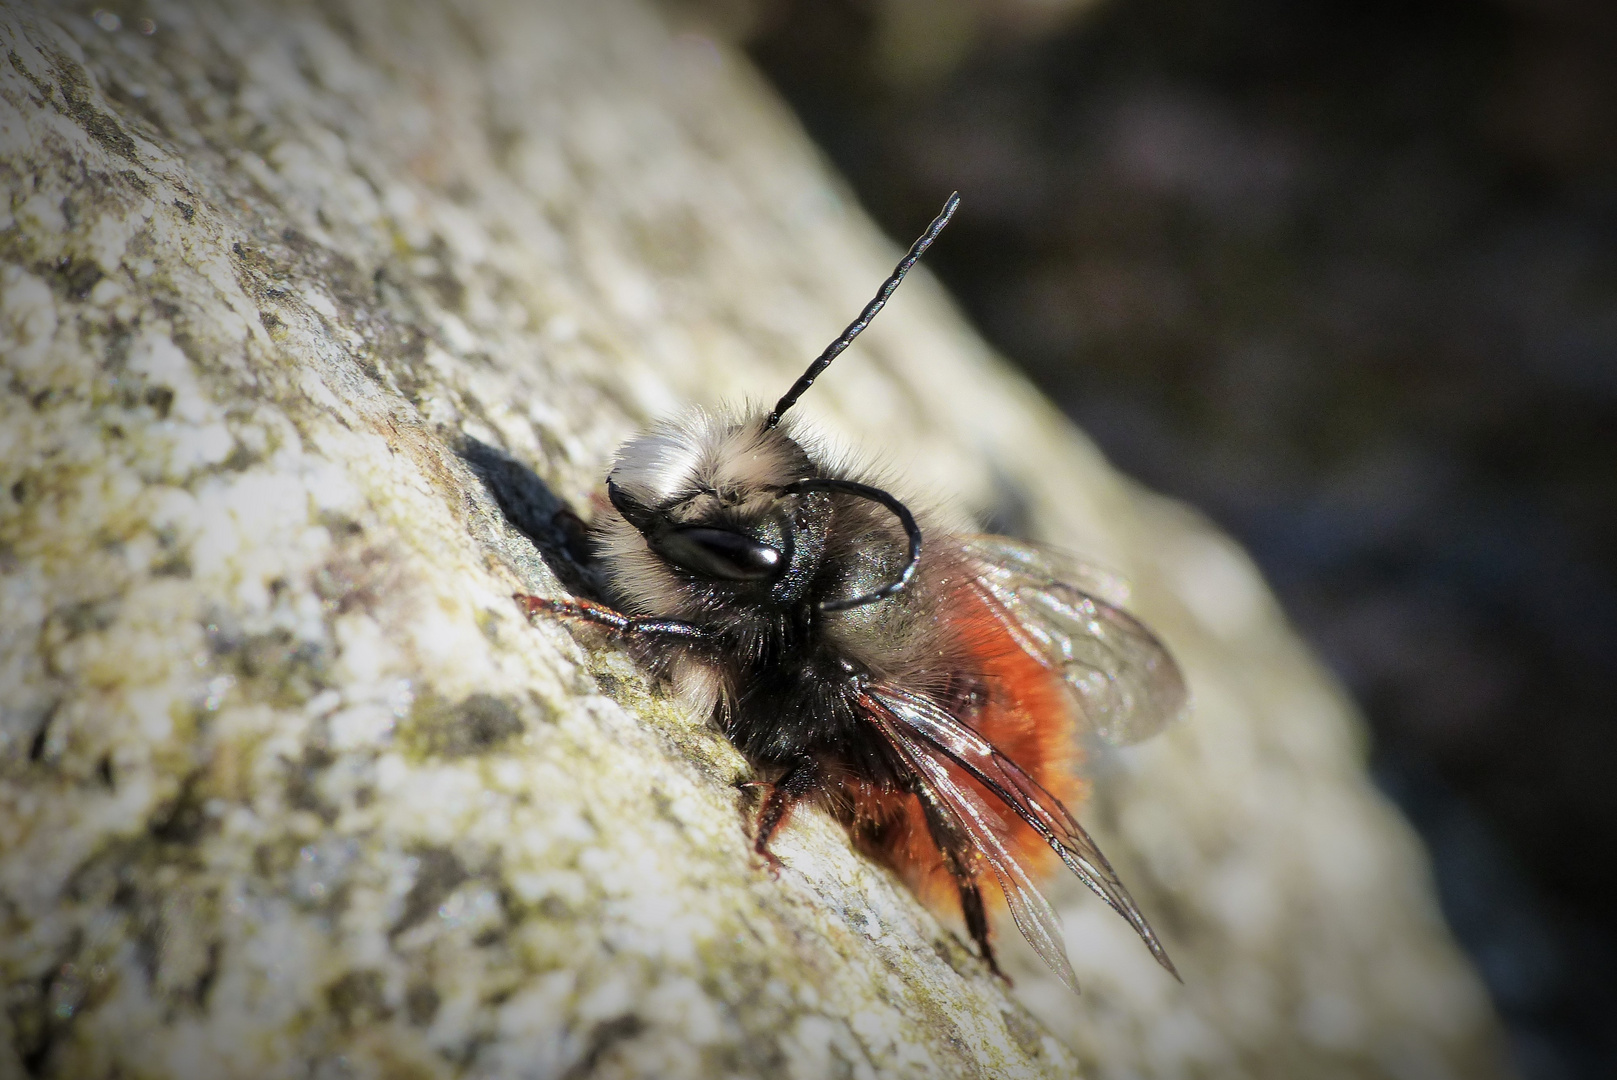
[(900, 511), (855, 328)]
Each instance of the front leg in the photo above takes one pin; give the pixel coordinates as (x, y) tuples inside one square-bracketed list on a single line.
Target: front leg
[(783, 795), (616, 621)]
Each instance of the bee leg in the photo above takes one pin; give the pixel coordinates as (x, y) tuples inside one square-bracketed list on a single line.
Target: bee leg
[(956, 850), (783, 795), (616, 621), (971, 908)]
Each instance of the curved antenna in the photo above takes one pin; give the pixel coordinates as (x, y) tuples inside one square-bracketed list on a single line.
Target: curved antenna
[(855, 328), (900, 511)]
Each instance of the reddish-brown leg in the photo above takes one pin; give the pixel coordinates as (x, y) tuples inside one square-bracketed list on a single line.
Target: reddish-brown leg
[(616, 621), (783, 795)]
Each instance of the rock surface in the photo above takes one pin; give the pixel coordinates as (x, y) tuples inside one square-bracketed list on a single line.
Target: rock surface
[(313, 321)]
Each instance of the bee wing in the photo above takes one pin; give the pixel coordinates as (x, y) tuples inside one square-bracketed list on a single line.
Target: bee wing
[(926, 735), (962, 808), (1068, 616)]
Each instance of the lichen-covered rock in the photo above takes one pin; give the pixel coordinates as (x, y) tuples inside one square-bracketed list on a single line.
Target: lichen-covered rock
[(314, 321)]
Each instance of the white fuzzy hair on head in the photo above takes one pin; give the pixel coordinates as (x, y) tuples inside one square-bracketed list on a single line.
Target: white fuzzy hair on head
[(725, 451)]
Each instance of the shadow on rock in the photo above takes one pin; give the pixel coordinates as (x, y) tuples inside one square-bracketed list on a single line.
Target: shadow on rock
[(558, 534)]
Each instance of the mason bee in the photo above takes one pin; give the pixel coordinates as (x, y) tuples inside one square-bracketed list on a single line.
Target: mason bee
[(930, 689)]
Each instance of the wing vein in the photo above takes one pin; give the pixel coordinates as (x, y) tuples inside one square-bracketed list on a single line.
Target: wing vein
[(1026, 797), (962, 809), (1124, 684)]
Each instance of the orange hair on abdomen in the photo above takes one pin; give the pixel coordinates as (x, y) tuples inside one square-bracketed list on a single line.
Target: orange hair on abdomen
[(1028, 718)]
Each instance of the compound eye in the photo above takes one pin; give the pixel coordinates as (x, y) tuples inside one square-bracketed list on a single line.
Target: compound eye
[(719, 553)]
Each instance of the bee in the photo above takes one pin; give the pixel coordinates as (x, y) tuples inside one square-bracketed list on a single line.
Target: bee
[(932, 695)]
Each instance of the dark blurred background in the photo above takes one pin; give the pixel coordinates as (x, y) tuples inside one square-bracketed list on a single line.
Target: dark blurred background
[(1343, 275)]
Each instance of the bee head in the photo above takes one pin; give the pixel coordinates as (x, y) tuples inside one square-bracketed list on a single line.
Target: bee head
[(713, 509), (708, 497)]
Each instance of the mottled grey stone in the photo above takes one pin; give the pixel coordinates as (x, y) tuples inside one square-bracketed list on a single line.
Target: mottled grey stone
[(315, 320)]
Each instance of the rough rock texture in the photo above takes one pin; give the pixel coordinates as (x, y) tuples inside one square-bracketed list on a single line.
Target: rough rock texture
[(313, 319)]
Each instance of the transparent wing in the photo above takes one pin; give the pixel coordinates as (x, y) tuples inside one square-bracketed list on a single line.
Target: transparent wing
[(1068, 615), (926, 735), (973, 819)]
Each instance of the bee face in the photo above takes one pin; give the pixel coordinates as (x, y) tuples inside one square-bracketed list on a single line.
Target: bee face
[(712, 540), (710, 517)]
